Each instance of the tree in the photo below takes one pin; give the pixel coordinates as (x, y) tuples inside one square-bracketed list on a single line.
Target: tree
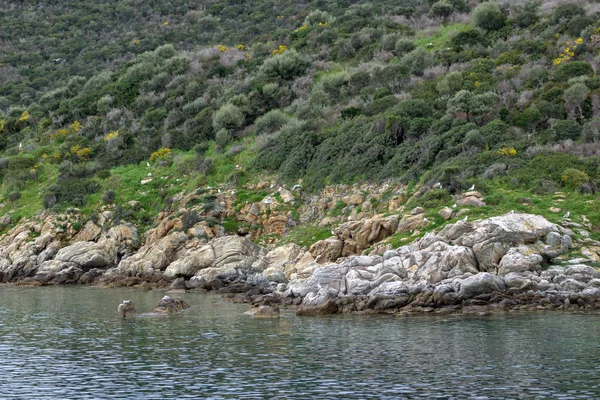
[(574, 97)]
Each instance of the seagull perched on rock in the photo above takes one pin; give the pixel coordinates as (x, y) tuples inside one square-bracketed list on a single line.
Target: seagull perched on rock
[(512, 212), (465, 219), (472, 188), (567, 214), (147, 164), (149, 173), (454, 205), (437, 186)]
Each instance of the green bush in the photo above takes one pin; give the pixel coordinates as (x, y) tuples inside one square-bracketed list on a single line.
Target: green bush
[(270, 122), (488, 16), (572, 69), (13, 196), (567, 11), (287, 66), (574, 178), (566, 129), (228, 117)]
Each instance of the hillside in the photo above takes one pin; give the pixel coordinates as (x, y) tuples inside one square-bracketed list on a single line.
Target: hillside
[(132, 106)]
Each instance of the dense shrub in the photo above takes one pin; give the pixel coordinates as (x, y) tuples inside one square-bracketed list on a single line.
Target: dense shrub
[(566, 129), (488, 16), (572, 69)]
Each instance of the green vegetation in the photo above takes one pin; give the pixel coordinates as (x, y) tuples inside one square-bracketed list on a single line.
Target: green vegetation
[(98, 97)]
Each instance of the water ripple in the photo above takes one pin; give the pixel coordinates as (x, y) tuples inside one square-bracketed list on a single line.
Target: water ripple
[(66, 342)]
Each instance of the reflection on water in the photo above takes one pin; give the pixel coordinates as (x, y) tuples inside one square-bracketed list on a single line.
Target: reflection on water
[(66, 342)]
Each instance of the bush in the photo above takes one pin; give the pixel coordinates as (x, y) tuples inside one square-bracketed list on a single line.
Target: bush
[(189, 219), (222, 138), (108, 197), (441, 9), (270, 122), (567, 11), (572, 69), (574, 178), (404, 46), (287, 66), (228, 117), (13, 196), (488, 16), (566, 129), (103, 174)]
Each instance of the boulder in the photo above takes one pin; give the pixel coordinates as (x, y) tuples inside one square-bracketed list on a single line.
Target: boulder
[(126, 310), (471, 199), (446, 213), (520, 259), (188, 265), (86, 255), (168, 305), (327, 250)]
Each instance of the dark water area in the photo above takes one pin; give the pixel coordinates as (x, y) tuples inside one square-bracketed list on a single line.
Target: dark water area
[(67, 342)]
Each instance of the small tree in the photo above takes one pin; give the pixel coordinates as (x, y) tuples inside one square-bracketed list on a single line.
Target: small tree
[(574, 98)]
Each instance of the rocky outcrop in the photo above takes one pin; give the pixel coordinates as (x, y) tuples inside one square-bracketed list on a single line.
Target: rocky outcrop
[(168, 305), (484, 262)]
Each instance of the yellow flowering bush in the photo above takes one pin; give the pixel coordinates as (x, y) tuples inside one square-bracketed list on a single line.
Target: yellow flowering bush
[(280, 50), (222, 48), (160, 153), (82, 152), (507, 151), (240, 47), (75, 127), (24, 116), (111, 135)]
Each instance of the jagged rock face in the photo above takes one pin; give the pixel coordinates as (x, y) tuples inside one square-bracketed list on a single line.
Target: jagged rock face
[(462, 262), (168, 305), (86, 255)]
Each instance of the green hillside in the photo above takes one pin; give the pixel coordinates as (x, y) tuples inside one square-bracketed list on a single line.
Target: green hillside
[(96, 97)]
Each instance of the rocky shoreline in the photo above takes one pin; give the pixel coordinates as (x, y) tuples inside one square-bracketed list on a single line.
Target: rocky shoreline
[(510, 262)]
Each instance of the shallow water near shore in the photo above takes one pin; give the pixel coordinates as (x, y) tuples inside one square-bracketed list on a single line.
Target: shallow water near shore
[(67, 342)]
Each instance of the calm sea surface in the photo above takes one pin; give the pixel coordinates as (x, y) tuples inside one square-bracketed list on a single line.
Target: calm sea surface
[(67, 342)]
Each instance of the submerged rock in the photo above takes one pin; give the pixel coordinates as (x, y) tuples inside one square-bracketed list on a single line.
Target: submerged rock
[(264, 312), (168, 305), (126, 310)]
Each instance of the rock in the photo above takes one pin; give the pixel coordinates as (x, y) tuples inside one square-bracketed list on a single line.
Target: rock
[(178, 284), (417, 211), (264, 312), (520, 259), (553, 239), (126, 310), (412, 222), (360, 235), (86, 255), (58, 272), (89, 232), (554, 209), (168, 305), (327, 250), (481, 283), (327, 308), (188, 265), (5, 220), (446, 213), (471, 199)]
